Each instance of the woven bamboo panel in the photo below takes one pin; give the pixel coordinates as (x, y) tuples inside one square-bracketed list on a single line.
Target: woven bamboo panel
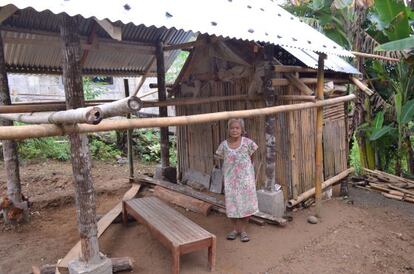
[(295, 138)]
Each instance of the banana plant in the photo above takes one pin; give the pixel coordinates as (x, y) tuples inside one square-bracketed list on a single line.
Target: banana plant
[(404, 111), (376, 142)]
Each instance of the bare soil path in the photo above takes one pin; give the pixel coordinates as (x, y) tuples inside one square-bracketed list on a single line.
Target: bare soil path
[(372, 235)]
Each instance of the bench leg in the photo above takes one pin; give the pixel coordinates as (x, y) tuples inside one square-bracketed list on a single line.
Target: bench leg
[(212, 254), (175, 261)]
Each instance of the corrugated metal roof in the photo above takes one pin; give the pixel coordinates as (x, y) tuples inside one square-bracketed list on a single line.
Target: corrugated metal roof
[(260, 21), (332, 62), (32, 45)]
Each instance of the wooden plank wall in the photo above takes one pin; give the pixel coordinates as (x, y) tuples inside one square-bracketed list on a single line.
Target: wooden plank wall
[(295, 138)]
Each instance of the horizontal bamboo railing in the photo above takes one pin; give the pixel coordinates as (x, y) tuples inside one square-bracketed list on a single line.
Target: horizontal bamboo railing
[(89, 115), (45, 130), (60, 106)]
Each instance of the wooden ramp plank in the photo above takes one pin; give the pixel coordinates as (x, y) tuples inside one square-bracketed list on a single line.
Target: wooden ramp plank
[(103, 224)]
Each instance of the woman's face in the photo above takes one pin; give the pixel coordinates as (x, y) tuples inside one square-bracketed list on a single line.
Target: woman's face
[(235, 130)]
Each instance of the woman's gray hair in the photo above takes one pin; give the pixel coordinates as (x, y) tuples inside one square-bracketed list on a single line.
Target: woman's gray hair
[(236, 120)]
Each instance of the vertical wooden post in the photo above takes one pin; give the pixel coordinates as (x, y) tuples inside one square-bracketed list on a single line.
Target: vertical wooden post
[(319, 132), (11, 159), (80, 156), (129, 138), (270, 120), (162, 96)]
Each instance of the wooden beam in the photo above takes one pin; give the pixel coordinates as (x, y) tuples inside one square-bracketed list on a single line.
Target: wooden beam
[(129, 137), (287, 69), (182, 46), (103, 224), (144, 77), (6, 12), (37, 131), (79, 147), (270, 120), (182, 200), (113, 31), (297, 83), (91, 40), (10, 151), (319, 141), (162, 96)]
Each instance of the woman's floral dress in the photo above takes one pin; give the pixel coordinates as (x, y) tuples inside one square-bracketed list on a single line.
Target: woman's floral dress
[(239, 179)]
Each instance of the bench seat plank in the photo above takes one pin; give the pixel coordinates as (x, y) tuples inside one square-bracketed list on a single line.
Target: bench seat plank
[(172, 224), (173, 229)]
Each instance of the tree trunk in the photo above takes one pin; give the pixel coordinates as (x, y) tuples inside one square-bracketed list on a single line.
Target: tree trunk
[(80, 156), (165, 153), (270, 120), (410, 156), (10, 153)]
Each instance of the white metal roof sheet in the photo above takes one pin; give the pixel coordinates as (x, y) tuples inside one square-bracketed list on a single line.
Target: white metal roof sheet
[(260, 21), (332, 62)]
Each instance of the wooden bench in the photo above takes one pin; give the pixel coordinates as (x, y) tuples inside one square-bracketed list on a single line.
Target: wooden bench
[(174, 230)]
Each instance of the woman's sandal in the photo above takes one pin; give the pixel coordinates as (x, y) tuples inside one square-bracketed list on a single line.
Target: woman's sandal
[(243, 237), (232, 235)]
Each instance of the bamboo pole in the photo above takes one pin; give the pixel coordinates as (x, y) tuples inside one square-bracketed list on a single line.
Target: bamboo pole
[(361, 86), (285, 82), (89, 115), (121, 107), (309, 193), (319, 142), (36, 131), (375, 56), (60, 106), (81, 164)]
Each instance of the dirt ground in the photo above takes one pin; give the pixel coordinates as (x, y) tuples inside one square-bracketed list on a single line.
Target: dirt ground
[(370, 235)]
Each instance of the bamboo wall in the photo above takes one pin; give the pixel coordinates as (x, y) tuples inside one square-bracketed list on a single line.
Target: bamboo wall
[(295, 138)]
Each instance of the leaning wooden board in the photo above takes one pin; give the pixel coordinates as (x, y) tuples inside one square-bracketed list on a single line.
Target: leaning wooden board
[(204, 197), (103, 224)]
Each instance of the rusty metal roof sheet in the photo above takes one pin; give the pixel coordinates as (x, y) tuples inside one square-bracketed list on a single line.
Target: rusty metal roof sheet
[(259, 21)]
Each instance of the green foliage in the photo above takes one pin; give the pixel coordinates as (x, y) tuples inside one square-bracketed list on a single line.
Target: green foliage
[(45, 148), (355, 159), (407, 112), (176, 67), (398, 45), (58, 148), (332, 16), (92, 90), (392, 18), (148, 146), (101, 151)]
